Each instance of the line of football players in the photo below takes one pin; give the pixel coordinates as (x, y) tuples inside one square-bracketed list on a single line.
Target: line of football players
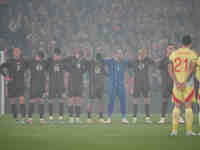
[(48, 79)]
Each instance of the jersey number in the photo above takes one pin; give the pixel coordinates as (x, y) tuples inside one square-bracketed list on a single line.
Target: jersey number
[(18, 67), (178, 62), (39, 67), (56, 68)]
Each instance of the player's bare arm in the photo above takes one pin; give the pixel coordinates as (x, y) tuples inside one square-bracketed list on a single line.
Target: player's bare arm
[(172, 75)]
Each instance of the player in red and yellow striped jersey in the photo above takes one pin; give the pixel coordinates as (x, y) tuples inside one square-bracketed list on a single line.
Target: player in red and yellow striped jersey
[(181, 67)]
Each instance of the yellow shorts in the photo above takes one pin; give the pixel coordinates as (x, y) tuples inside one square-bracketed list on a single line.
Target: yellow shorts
[(183, 96)]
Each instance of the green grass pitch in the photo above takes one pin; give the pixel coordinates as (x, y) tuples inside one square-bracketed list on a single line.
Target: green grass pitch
[(115, 136)]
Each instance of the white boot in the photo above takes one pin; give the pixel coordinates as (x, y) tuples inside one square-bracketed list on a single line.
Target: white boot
[(162, 121), (190, 133), (108, 121), (173, 133), (50, 117), (78, 121), (181, 120), (148, 120), (134, 121), (101, 120), (71, 120), (124, 121)]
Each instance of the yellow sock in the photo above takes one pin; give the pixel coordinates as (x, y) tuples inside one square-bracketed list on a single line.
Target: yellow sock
[(199, 117), (189, 119), (175, 118)]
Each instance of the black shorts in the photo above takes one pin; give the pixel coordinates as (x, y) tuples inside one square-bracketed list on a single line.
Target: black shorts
[(166, 89), (56, 92), (15, 91), (96, 93), (36, 93), (166, 92), (75, 91), (141, 90), (37, 89)]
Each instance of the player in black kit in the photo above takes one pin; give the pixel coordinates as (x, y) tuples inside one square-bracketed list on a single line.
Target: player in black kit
[(96, 72), (76, 67), (141, 83), (56, 85), (14, 71), (38, 72)]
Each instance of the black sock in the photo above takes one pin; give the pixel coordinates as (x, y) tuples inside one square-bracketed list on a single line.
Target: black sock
[(89, 115), (23, 110), (101, 115), (78, 111), (147, 110), (167, 108), (14, 111), (164, 109), (194, 108), (135, 110), (71, 110), (198, 108), (31, 110), (50, 109), (41, 110), (61, 109)]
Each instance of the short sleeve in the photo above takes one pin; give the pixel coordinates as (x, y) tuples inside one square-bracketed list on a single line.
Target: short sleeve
[(198, 61), (194, 58)]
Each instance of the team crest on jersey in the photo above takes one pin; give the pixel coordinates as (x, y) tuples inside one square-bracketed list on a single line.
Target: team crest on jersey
[(97, 69), (78, 65), (18, 66), (39, 67), (57, 68), (141, 66)]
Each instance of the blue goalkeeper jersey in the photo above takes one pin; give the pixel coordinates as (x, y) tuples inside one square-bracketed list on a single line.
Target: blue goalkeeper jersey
[(116, 72)]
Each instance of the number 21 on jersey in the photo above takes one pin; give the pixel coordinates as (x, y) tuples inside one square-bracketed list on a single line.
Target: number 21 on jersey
[(181, 64)]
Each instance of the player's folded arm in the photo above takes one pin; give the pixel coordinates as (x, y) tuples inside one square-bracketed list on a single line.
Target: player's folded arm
[(107, 60), (3, 67), (171, 71)]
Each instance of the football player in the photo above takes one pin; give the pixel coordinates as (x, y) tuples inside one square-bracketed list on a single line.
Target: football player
[(96, 72), (181, 68), (167, 83), (116, 86), (38, 72), (76, 66), (141, 84), (14, 71), (56, 70)]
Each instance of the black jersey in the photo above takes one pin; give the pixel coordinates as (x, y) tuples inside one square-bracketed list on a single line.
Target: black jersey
[(96, 74), (38, 71), (76, 68), (56, 72), (15, 69), (142, 70), (167, 83)]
